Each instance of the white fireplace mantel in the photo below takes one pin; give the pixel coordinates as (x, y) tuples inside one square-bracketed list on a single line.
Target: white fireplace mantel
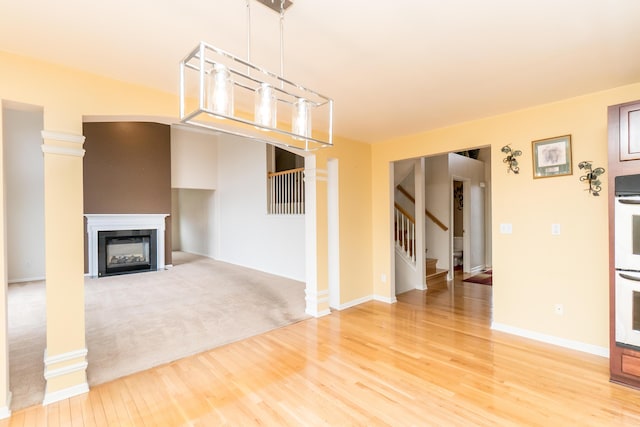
[(113, 222)]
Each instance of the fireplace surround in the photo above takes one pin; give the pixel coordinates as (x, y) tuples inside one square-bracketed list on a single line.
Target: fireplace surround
[(136, 240)]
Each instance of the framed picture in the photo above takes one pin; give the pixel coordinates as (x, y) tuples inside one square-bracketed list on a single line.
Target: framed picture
[(552, 157)]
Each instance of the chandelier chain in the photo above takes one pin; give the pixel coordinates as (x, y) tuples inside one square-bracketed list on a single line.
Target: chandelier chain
[(248, 35), (282, 38)]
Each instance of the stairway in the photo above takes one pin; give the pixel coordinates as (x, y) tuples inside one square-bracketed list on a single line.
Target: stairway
[(436, 277)]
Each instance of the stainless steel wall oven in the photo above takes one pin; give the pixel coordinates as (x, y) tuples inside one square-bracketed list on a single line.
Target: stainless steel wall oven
[(627, 260)]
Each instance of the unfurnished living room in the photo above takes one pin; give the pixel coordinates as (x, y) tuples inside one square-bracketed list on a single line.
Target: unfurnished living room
[(305, 212)]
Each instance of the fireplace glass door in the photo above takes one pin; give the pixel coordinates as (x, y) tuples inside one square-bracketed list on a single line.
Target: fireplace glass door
[(126, 251), (129, 252)]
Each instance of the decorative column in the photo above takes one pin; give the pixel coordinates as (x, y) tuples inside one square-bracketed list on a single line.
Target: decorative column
[(5, 394), (65, 358), (421, 250), (316, 227)]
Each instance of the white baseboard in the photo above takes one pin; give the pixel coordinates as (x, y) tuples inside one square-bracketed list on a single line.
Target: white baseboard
[(5, 412), (26, 279), (368, 298), (355, 302), (66, 393), (550, 339), (388, 300), (320, 313), (478, 269)]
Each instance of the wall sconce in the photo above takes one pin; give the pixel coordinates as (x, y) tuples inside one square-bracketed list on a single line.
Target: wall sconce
[(591, 177), (511, 160)]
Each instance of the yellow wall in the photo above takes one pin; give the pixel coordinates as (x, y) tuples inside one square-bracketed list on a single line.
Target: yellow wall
[(354, 192), (533, 270)]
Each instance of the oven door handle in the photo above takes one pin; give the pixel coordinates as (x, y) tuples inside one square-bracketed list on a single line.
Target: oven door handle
[(628, 277), (629, 201)]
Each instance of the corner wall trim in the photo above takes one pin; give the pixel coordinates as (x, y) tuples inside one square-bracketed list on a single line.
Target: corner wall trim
[(63, 136), (313, 299), (65, 393), (318, 297), (64, 357), (65, 151), (69, 369), (315, 174), (550, 339), (5, 412)]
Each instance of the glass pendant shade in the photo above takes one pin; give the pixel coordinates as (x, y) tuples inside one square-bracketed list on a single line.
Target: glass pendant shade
[(265, 106), (301, 118), (220, 91)]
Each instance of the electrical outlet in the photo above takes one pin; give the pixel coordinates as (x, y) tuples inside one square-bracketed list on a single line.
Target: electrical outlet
[(559, 309), (383, 278)]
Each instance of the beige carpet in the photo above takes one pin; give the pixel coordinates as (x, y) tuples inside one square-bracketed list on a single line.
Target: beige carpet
[(137, 321)]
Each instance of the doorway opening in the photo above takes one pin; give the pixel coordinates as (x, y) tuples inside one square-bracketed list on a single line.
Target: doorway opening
[(443, 202)]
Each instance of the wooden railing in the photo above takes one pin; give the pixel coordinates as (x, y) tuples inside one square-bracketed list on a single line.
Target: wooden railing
[(405, 232), (286, 192), (429, 214)]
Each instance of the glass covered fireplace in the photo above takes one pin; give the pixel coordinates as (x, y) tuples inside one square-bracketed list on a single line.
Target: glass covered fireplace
[(126, 251)]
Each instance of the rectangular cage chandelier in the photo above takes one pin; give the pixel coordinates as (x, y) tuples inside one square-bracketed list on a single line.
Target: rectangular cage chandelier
[(222, 92)]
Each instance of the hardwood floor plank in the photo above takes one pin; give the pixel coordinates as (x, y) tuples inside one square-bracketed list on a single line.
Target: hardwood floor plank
[(95, 402), (429, 359)]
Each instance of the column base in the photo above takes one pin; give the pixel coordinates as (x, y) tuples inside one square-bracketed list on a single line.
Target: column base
[(66, 393), (66, 375), (317, 303)]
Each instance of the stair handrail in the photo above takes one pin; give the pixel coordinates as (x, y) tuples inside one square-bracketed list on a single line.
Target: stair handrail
[(405, 213), (404, 231), (287, 172), (431, 216)]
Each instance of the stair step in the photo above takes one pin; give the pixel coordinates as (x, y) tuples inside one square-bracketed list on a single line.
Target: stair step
[(437, 279), (431, 266)]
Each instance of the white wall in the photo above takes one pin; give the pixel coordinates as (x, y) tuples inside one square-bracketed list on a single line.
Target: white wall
[(194, 156), (485, 157), (462, 167), (230, 224), (194, 174), (195, 221), (408, 184), (437, 201), (405, 274), (246, 235), (24, 177)]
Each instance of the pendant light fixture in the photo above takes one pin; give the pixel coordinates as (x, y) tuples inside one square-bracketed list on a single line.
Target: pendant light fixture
[(265, 109), (217, 90), (220, 91), (301, 118)]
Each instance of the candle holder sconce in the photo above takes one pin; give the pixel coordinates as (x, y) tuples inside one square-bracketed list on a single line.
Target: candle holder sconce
[(510, 160), (591, 177)]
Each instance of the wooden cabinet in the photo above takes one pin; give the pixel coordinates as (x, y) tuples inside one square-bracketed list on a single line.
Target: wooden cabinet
[(624, 159), (629, 127), (630, 362)]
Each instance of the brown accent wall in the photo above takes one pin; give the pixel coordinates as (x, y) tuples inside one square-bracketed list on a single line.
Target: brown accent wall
[(127, 170)]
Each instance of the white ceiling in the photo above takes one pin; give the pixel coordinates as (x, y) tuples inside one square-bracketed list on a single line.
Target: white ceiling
[(393, 67)]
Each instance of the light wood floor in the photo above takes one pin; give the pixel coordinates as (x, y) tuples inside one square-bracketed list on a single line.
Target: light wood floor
[(430, 359)]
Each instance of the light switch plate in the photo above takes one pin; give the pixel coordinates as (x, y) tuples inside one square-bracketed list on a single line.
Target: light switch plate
[(506, 229), (555, 229)]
